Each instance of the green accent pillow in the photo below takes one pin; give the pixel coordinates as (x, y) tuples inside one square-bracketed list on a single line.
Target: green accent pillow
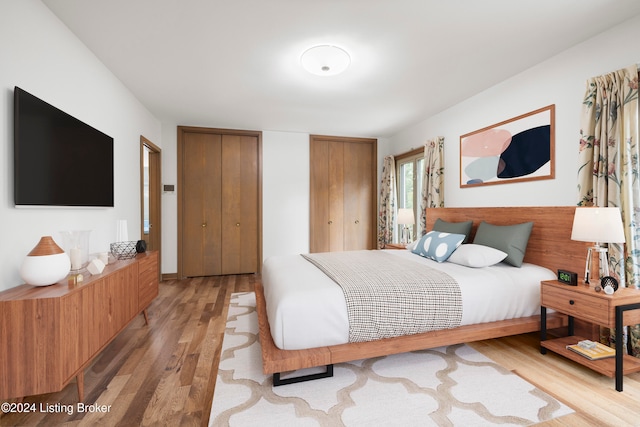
[(454, 227), (511, 239)]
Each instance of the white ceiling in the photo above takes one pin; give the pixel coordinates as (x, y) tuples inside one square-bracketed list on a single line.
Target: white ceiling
[(235, 63)]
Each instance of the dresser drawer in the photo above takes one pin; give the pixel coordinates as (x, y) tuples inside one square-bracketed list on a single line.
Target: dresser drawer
[(147, 263), (571, 301), (147, 290), (147, 279), (148, 270)]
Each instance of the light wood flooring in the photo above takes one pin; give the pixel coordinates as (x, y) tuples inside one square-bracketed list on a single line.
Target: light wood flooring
[(164, 373)]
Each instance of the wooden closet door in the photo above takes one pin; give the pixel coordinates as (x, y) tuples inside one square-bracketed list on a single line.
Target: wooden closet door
[(327, 196), (319, 216), (359, 200), (202, 205), (240, 210), (220, 202), (337, 194), (342, 194)]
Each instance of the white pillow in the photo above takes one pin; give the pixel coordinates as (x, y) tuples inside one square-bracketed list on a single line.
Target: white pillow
[(474, 255)]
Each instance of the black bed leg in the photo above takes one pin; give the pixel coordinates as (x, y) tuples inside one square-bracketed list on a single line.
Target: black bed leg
[(327, 374)]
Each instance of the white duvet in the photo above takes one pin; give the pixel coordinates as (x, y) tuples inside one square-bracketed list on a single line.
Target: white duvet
[(307, 309)]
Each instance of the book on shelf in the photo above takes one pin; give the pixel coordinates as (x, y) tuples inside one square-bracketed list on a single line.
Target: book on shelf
[(599, 351)]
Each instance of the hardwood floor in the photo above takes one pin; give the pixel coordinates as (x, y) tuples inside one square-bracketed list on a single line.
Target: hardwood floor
[(591, 395), (164, 373), (160, 374)]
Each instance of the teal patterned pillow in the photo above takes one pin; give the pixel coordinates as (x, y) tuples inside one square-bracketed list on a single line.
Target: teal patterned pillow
[(437, 245)]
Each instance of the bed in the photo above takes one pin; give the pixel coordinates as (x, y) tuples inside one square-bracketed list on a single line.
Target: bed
[(549, 247)]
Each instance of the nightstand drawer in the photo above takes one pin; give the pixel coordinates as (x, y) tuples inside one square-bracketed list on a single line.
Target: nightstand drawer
[(587, 307)]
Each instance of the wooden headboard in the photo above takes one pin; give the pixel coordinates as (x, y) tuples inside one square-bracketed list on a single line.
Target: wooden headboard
[(550, 244)]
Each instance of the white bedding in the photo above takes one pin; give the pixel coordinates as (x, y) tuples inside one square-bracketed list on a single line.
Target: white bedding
[(306, 309)]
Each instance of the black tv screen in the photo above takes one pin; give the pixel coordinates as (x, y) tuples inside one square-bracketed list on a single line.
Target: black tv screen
[(59, 160)]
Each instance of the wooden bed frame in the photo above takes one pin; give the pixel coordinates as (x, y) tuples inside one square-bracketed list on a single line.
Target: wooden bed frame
[(550, 245)]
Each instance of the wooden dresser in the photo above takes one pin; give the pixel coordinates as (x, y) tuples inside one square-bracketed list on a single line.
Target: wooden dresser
[(49, 335)]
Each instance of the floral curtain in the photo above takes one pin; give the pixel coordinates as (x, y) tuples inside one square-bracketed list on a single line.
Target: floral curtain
[(432, 179), (608, 170), (387, 212)]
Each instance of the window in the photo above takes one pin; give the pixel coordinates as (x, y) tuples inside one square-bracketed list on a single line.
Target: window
[(409, 171)]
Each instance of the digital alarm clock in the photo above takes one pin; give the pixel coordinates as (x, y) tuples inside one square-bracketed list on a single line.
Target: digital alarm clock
[(568, 277)]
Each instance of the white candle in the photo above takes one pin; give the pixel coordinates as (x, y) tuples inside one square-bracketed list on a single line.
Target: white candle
[(76, 258)]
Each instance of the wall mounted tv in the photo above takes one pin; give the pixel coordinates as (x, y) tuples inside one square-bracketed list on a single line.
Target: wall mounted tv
[(59, 160)]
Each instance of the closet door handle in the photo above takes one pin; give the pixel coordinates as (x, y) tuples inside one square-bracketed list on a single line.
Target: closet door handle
[(204, 224), (237, 224), (330, 222), (357, 221)]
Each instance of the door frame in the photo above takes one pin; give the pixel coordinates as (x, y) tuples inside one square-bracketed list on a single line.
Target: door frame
[(155, 183), (182, 130)]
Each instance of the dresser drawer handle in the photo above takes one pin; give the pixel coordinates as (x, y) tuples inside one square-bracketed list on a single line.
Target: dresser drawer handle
[(571, 302)]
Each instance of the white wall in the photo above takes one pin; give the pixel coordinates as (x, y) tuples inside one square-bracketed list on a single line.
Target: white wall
[(285, 193), (46, 59), (169, 201), (560, 81), (41, 55)]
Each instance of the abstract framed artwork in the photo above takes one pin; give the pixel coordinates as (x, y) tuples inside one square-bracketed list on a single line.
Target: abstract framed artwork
[(515, 150)]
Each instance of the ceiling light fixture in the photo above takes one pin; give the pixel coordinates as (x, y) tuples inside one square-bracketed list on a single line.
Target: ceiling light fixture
[(325, 60)]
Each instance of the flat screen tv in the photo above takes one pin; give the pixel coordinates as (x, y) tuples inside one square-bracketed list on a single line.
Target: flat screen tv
[(59, 160)]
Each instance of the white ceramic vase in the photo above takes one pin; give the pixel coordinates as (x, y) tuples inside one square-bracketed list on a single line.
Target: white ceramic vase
[(46, 264)]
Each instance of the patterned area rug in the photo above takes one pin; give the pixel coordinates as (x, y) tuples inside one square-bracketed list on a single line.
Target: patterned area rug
[(448, 386)]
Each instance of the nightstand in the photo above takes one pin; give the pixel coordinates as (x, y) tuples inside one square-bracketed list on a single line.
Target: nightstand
[(583, 302)]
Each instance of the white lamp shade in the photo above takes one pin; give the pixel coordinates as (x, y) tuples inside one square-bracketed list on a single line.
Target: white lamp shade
[(596, 224), (405, 216)]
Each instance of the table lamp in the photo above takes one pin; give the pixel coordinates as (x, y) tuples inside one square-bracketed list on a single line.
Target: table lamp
[(405, 218), (598, 225)]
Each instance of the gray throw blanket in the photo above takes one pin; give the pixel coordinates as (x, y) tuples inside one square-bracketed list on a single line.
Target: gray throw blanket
[(388, 296)]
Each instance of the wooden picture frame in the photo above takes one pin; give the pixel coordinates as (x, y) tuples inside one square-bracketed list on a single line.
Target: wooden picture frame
[(515, 150)]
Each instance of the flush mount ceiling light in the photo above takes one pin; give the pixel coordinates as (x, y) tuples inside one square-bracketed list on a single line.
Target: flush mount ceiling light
[(325, 60)]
